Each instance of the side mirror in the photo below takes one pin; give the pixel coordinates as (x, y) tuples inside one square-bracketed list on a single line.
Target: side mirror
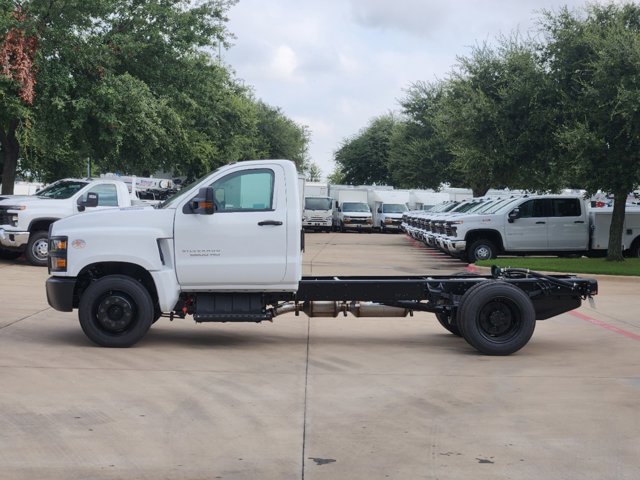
[(514, 215), (203, 203), (91, 201), (379, 209)]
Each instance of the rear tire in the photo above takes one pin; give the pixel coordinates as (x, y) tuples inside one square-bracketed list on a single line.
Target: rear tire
[(116, 311), (445, 321), (37, 252), (496, 318)]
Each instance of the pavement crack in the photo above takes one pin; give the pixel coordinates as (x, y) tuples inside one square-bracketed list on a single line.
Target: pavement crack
[(24, 318)]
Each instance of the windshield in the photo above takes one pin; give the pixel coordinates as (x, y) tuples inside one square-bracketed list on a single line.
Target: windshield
[(61, 189), (503, 203), (394, 208), (507, 206), (169, 202), (355, 207), (311, 203)]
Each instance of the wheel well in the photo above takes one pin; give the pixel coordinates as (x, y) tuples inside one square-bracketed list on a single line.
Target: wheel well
[(491, 235), (95, 271), (41, 224), (635, 245)]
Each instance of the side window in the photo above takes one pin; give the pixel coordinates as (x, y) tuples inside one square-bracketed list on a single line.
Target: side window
[(566, 207), (534, 208), (107, 195), (246, 191)]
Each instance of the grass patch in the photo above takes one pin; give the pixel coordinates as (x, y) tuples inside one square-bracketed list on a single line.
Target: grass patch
[(594, 266)]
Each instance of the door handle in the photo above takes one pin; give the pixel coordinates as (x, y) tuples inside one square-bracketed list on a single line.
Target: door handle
[(269, 222), (540, 223), (579, 221)]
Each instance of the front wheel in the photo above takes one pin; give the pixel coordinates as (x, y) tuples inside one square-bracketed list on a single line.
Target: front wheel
[(38, 248), (481, 250), (496, 318), (116, 311)]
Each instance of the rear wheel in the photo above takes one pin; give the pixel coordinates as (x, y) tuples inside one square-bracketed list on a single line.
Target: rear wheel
[(38, 248), (446, 321), (635, 249), (496, 318), (116, 311)]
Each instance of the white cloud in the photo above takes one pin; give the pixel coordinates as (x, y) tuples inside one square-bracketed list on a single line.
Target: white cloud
[(284, 64)]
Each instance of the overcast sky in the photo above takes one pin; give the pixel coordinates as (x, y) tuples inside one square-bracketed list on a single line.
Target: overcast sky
[(333, 65)]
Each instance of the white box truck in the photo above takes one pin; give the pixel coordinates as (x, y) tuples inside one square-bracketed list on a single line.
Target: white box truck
[(351, 209), (387, 208), (317, 211)]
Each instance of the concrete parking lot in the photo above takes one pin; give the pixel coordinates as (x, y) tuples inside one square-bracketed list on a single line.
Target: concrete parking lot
[(299, 398)]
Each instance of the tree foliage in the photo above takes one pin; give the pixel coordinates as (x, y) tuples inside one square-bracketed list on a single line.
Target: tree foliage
[(562, 112), (419, 156), (364, 158), (131, 87), (595, 61)]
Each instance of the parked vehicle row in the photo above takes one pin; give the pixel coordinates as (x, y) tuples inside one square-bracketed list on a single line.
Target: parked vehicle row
[(483, 228)]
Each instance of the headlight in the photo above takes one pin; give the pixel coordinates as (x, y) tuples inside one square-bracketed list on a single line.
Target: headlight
[(58, 254)]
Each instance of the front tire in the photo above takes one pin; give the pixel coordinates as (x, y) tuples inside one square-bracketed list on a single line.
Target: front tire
[(37, 251), (496, 318), (116, 311), (481, 250)]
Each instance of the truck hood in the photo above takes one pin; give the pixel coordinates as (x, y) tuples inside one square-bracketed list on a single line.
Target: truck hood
[(13, 199), (157, 223)]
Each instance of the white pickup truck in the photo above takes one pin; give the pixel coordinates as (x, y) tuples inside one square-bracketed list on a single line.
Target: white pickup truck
[(25, 220), (538, 224), (228, 249)]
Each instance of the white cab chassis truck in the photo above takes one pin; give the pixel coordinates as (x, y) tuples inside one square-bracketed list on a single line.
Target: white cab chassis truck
[(228, 249), (25, 220)]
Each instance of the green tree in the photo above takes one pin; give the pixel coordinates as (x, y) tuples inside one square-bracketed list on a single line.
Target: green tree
[(594, 58), (419, 157), (116, 82), (313, 173), (280, 137), (497, 119), (364, 158)]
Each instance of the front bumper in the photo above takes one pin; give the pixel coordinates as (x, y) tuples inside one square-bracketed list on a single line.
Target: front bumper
[(456, 247), (60, 293), (11, 239)]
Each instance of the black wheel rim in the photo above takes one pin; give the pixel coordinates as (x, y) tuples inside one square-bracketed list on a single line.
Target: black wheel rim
[(499, 320), (115, 313)]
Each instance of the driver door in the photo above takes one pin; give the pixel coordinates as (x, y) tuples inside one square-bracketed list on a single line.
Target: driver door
[(243, 243)]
